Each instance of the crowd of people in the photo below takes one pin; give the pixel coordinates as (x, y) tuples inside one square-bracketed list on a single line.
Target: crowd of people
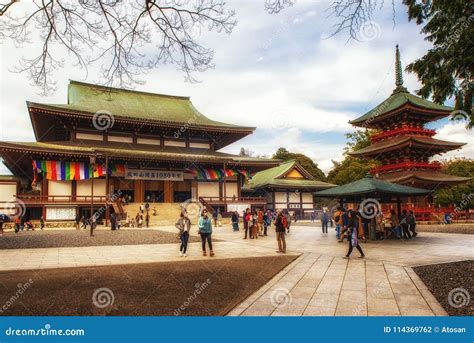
[(255, 225), (376, 226)]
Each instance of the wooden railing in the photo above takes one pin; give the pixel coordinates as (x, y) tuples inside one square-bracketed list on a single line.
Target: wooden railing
[(37, 199), (404, 130), (228, 200), (407, 166)]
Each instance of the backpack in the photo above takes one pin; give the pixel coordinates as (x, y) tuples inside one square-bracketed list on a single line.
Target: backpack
[(336, 218), (284, 222)]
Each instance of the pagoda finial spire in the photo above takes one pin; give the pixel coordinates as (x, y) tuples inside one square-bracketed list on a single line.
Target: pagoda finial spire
[(398, 73)]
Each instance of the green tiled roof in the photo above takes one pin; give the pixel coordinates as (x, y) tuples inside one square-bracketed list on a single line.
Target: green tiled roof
[(273, 177), (367, 186), (89, 99), (395, 101)]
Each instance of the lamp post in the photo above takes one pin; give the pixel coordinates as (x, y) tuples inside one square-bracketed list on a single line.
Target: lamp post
[(92, 161)]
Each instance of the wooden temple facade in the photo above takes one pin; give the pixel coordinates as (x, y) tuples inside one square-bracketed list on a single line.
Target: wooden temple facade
[(106, 143)]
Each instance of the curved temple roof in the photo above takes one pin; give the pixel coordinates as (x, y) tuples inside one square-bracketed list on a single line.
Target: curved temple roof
[(85, 98), (275, 178)]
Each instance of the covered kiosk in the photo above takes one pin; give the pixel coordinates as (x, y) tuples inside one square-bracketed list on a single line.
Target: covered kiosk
[(374, 189)]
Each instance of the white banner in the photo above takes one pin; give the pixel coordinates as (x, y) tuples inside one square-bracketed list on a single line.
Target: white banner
[(157, 175)]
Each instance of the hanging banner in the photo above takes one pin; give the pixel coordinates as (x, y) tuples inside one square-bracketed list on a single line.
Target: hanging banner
[(217, 173), (67, 170), (156, 175)]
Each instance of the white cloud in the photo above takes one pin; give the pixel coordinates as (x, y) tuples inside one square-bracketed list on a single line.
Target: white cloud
[(457, 132)]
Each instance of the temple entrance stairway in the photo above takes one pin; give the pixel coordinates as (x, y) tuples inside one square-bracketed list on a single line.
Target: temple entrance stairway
[(166, 213)]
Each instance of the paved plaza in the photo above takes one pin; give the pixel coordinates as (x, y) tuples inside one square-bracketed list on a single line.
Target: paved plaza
[(318, 282)]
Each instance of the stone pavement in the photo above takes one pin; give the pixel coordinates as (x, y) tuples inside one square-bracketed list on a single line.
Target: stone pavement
[(319, 282)]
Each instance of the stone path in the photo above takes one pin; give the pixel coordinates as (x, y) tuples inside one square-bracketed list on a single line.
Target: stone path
[(319, 282), (21, 259), (317, 285)]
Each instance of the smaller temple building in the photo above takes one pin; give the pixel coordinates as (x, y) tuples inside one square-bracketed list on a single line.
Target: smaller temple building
[(288, 186)]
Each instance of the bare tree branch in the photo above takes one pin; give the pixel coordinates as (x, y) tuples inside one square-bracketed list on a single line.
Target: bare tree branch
[(275, 6), (125, 38)]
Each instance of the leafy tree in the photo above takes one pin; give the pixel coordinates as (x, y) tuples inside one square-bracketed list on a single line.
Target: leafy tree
[(351, 168), (245, 152), (358, 139), (447, 69), (461, 196), (306, 162)]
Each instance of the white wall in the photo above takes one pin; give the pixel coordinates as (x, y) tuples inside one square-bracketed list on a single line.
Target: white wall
[(84, 187), (59, 188), (7, 191), (280, 197), (231, 189), (120, 139), (60, 213), (208, 189)]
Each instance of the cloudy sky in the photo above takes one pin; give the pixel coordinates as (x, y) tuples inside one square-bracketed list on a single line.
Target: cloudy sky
[(282, 73)]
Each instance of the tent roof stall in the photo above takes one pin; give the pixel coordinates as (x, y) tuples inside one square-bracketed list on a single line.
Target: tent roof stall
[(370, 187)]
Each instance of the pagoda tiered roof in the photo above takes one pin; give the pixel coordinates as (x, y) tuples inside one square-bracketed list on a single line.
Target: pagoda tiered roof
[(423, 177), (432, 146), (402, 144), (399, 102)]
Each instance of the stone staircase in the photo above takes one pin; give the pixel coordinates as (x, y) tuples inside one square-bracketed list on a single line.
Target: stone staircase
[(166, 213)]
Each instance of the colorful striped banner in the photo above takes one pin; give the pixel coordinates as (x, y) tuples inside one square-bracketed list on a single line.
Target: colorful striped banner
[(217, 173), (66, 170)]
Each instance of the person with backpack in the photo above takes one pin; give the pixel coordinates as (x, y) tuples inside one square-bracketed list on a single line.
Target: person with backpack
[(184, 226), (352, 223), (280, 228), (338, 221), (344, 227)]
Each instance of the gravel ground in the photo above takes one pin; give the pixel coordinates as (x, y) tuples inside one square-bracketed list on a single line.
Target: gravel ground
[(81, 238), (452, 285), (451, 228), (191, 288)]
